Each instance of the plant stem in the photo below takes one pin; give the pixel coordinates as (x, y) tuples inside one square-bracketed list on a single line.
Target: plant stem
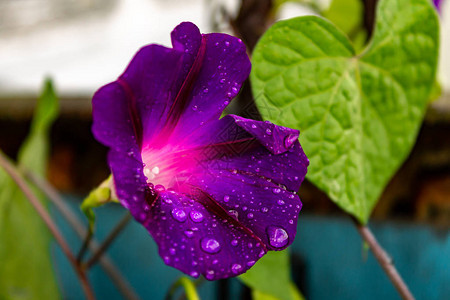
[(45, 216), (85, 246), (119, 281), (114, 233), (384, 260)]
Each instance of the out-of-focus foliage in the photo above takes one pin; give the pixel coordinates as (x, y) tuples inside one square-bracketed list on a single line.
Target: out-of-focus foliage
[(358, 114), (270, 278), (347, 15), (25, 267)]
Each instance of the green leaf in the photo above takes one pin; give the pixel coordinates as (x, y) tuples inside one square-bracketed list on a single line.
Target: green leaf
[(25, 266), (358, 115), (270, 278), (99, 196), (345, 14)]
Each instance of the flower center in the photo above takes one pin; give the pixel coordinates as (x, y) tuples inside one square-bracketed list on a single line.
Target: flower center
[(167, 167)]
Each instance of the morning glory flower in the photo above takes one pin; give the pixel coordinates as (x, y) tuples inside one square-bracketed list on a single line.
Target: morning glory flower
[(215, 193)]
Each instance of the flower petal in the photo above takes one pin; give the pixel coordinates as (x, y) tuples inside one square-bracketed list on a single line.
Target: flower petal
[(224, 69), (196, 241)]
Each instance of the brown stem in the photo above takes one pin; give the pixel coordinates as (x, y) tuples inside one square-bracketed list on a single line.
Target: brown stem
[(114, 233), (42, 212), (385, 261), (85, 246), (119, 281)]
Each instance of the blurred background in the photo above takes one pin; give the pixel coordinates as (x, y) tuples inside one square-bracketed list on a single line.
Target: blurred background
[(85, 44)]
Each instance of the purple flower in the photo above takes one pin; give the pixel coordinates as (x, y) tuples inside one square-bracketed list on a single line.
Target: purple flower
[(215, 194), (438, 4)]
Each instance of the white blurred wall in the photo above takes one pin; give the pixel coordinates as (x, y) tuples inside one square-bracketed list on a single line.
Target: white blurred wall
[(84, 52)]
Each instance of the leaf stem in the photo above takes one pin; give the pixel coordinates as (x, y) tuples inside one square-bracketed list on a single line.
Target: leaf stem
[(107, 242), (384, 260), (119, 281), (45, 216)]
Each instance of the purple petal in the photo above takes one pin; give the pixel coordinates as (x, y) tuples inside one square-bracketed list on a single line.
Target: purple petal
[(196, 241), (224, 68), (113, 125)]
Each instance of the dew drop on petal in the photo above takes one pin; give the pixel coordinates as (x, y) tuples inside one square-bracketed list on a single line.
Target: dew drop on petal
[(189, 233), (196, 216), (278, 237), (250, 263), (250, 216), (234, 242), (195, 107), (253, 126), (159, 188), (172, 251), (276, 190), (290, 140), (234, 213), (210, 245), (210, 275), (236, 268), (194, 274), (179, 214), (264, 209), (280, 202), (268, 131), (226, 198)]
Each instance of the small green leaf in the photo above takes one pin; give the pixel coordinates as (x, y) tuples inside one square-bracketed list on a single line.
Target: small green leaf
[(358, 115), (270, 278), (99, 196), (25, 266)]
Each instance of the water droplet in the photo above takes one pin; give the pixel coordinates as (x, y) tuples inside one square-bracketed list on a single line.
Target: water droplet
[(291, 221), (210, 245), (172, 251), (280, 202), (234, 242), (179, 214), (261, 253), (234, 213), (278, 237), (159, 188), (234, 90), (194, 274), (264, 209), (166, 259), (227, 43), (155, 170), (226, 198), (250, 263), (196, 216), (253, 126), (222, 81), (236, 268), (189, 233), (250, 216), (195, 107), (268, 131), (205, 90), (290, 140), (276, 190), (210, 275)]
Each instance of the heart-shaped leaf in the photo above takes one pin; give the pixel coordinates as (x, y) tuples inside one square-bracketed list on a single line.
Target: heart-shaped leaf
[(358, 114)]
